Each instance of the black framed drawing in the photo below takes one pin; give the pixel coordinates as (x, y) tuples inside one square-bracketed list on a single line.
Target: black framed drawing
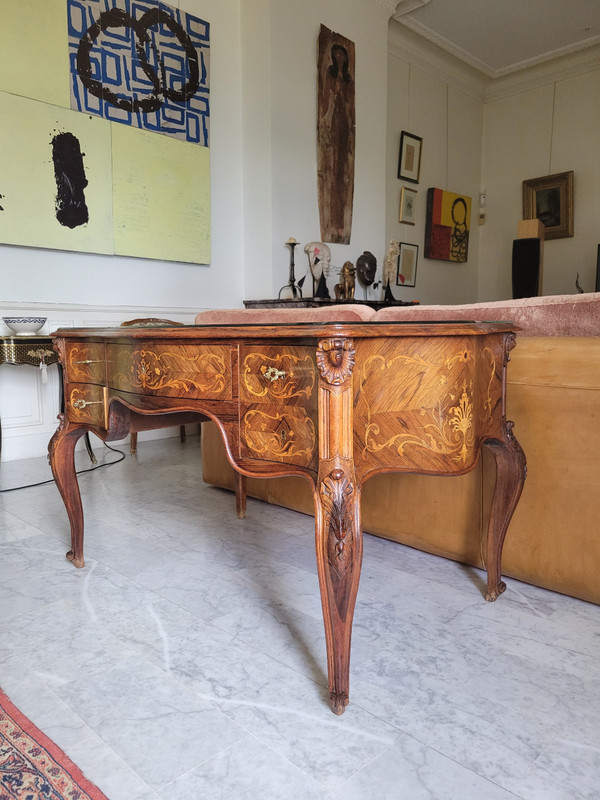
[(407, 264), (409, 161)]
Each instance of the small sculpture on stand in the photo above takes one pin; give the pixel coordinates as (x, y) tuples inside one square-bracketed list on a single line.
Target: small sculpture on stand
[(366, 267), (319, 259), (295, 290), (345, 289), (390, 265)]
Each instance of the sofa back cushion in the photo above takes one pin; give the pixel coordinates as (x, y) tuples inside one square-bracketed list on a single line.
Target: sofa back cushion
[(344, 312), (553, 315)]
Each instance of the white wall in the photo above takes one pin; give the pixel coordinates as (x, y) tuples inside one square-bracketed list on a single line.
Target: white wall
[(538, 123), (280, 121), (81, 289), (488, 136), (263, 190), (433, 96), (37, 275)]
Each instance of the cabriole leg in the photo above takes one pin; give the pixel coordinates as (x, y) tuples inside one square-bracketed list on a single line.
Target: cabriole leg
[(339, 557), (61, 452), (510, 476), (239, 482)]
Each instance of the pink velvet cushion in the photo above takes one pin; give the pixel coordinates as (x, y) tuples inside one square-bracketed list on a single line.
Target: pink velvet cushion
[(349, 312), (553, 315)]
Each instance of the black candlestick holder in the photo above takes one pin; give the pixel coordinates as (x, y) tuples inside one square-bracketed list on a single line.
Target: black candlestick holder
[(291, 285)]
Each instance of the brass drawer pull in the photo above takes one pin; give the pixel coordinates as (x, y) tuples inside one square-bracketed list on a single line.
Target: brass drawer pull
[(83, 403), (272, 373), (90, 361)]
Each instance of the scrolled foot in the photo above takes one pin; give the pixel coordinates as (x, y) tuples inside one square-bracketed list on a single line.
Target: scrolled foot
[(78, 562), (494, 594), (338, 702)]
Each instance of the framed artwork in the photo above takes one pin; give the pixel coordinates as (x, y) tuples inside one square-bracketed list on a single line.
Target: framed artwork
[(409, 162), (447, 226), (408, 203), (149, 68), (550, 199), (407, 264)]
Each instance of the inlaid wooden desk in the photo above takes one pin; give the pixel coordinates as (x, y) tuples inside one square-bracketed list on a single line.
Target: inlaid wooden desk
[(334, 402)]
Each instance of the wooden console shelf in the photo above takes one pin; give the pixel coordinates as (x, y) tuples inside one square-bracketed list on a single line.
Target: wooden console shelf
[(333, 402)]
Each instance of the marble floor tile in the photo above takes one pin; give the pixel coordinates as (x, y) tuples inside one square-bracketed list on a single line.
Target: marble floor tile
[(409, 770), (156, 725), (111, 773), (228, 776), (187, 658)]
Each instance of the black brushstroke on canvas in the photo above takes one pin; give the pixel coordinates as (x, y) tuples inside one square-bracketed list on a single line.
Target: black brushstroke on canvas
[(117, 18), (71, 209)]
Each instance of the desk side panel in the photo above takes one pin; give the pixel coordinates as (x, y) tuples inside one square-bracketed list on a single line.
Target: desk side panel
[(424, 405)]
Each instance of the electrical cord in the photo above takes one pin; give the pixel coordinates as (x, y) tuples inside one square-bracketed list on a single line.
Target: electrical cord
[(77, 472)]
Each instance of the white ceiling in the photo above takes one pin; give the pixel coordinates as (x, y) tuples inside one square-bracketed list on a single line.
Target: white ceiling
[(502, 36)]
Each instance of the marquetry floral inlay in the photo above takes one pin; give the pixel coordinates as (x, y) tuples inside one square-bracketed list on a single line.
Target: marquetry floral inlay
[(278, 437), (154, 371), (418, 417)]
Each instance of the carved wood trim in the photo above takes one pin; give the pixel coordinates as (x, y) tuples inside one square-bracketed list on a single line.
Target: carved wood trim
[(335, 359)]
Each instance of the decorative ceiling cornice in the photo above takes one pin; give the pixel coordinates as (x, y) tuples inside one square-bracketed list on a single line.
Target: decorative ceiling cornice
[(534, 77), (406, 45), (388, 6)]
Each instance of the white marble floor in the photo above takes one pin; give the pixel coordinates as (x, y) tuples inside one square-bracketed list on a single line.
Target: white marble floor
[(187, 659)]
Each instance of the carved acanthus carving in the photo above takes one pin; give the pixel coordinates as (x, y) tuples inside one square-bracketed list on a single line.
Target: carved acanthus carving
[(510, 341), (335, 491), (337, 495), (335, 359)]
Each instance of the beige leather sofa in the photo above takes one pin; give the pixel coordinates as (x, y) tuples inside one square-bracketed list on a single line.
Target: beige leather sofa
[(553, 396)]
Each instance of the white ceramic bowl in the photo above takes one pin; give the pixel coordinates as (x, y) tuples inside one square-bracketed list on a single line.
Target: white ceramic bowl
[(25, 325)]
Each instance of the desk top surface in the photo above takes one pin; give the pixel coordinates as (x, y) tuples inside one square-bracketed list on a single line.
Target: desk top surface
[(294, 330)]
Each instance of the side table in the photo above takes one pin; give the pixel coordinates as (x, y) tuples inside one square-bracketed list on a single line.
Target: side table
[(37, 351)]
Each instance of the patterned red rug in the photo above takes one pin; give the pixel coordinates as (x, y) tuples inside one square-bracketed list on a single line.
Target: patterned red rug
[(34, 768)]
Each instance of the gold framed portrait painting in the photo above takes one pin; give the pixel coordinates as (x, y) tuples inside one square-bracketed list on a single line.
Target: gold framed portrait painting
[(550, 199)]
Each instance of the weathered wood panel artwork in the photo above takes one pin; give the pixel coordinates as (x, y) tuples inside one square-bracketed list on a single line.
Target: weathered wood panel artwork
[(101, 181), (336, 126)]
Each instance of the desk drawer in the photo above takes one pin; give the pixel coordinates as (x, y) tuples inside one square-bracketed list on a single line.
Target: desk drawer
[(85, 403), (171, 370), (276, 375), (278, 404), (85, 362), (287, 434)]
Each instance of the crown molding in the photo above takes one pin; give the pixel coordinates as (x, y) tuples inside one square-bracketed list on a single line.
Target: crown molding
[(407, 45), (407, 6), (569, 65), (387, 6), (445, 45)]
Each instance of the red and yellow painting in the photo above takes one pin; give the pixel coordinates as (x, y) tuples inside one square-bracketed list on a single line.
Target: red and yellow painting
[(447, 226)]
